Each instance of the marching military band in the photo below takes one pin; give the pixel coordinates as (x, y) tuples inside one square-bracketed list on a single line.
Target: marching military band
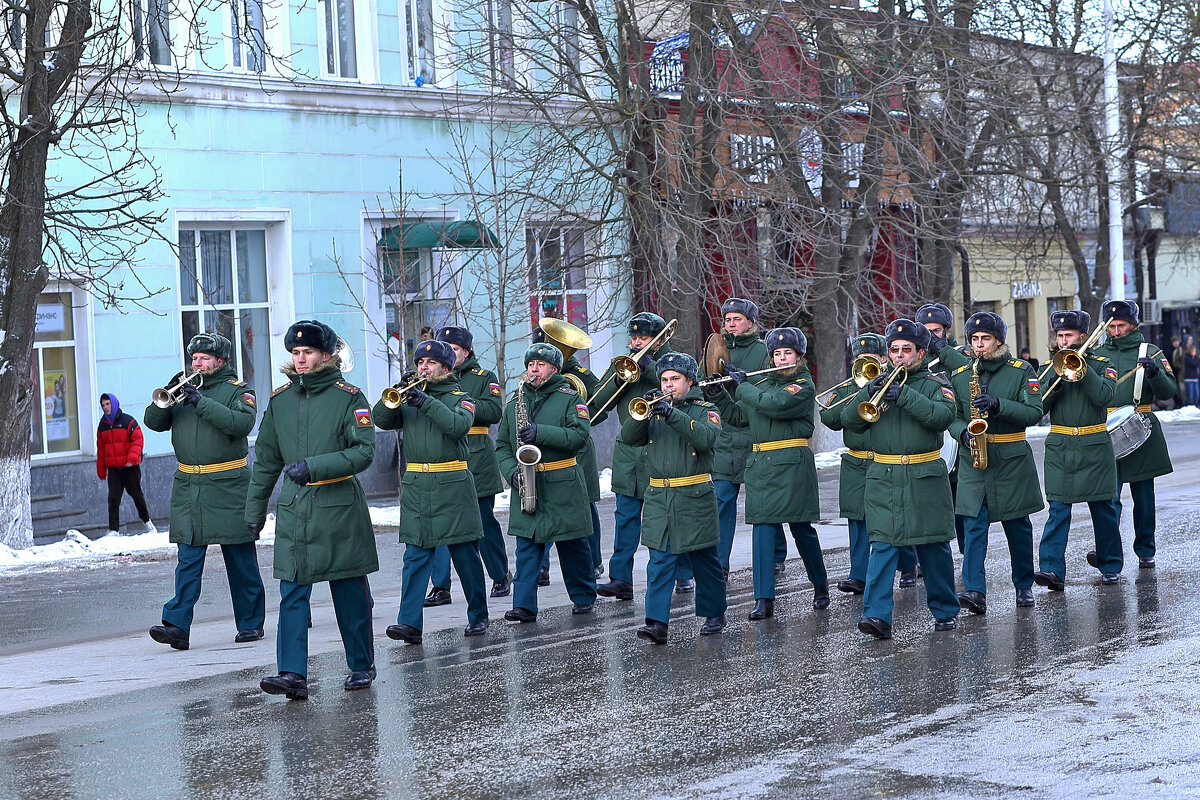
[(935, 450)]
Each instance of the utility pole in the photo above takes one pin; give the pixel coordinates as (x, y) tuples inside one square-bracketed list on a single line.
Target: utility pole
[(1112, 130)]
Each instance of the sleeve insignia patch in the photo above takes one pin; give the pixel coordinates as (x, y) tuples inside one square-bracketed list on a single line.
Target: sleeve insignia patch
[(362, 416), (248, 398), (582, 410), (1034, 386), (948, 393), (495, 387), (468, 405), (1111, 372), (1163, 359), (714, 417), (792, 388)]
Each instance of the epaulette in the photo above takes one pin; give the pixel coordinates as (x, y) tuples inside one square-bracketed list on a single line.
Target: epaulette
[(963, 368), (583, 370), (283, 388), (236, 382), (456, 391), (704, 404), (1016, 362), (939, 378), (478, 372), (1097, 358), (567, 390), (346, 387)]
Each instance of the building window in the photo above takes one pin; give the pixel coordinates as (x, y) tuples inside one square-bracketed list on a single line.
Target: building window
[(555, 258), (151, 21), (337, 31), (419, 33), (753, 156), (249, 35), (1021, 318), (55, 424), (419, 289), (223, 289), (500, 32)]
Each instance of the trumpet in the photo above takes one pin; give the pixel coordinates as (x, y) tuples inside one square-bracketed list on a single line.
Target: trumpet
[(173, 392), (639, 407), (871, 410), (1069, 363), (393, 396), (626, 367), (864, 370)]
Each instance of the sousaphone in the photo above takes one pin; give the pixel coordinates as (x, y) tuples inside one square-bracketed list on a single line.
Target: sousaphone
[(568, 339)]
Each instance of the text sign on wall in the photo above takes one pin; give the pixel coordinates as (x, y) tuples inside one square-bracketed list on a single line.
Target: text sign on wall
[(1023, 289)]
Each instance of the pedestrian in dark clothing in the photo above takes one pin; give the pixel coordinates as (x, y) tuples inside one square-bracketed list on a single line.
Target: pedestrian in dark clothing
[(118, 460), (1191, 372)]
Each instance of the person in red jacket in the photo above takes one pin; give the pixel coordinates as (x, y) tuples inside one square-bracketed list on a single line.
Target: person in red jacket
[(118, 460)]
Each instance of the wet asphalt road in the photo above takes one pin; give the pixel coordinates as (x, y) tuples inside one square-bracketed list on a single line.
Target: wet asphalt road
[(1091, 693)]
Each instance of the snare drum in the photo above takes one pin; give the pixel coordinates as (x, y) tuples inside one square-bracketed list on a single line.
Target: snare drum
[(1129, 430)]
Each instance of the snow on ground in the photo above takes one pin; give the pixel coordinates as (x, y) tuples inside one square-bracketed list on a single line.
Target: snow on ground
[(77, 551)]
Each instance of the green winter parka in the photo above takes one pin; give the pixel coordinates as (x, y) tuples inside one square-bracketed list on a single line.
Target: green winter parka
[(1010, 482), (684, 517), (628, 468), (483, 387), (748, 353), (323, 531), (587, 459), (907, 504), (1081, 468), (1152, 459), (436, 508), (561, 417), (852, 478), (207, 508), (781, 484)]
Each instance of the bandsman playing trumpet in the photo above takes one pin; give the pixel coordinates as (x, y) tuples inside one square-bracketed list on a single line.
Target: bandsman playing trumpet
[(1079, 467), (438, 501), (1151, 459), (781, 473), (997, 476), (209, 426), (907, 496), (679, 518), (554, 420)]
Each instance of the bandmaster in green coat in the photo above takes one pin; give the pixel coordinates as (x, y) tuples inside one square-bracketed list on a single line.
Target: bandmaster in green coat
[(208, 429), (679, 519), (317, 431)]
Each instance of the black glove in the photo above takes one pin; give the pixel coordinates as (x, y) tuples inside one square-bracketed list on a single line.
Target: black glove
[(514, 481), (408, 377), (415, 397), (662, 409), (255, 528), (191, 395), (936, 344), (986, 404), (645, 362), (965, 437), (527, 434), (736, 376), (1150, 365), (713, 389), (876, 384), (892, 395), (297, 473)]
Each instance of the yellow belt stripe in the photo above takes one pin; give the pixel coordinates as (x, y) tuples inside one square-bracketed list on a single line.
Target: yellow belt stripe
[(478, 429), (550, 466), (916, 458), (781, 444), (1004, 438), (1144, 409), (865, 455), (440, 466), (205, 469), (689, 480), (329, 480), (1070, 430)]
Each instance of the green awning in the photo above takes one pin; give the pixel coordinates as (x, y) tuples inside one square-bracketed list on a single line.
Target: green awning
[(421, 235)]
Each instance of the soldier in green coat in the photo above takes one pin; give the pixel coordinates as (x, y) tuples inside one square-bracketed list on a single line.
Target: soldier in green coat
[(781, 473), (1007, 490), (546, 413), (317, 432), (483, 387), (938, 320), (907, 493), (1124, 348), (208, 433), (679, 518), (1080, 467), (438, 500)]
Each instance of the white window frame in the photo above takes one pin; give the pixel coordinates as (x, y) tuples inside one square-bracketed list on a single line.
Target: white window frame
[(178, 42), (87, 414), (532, 230), (498, 76), (366, 43), (444, 75)]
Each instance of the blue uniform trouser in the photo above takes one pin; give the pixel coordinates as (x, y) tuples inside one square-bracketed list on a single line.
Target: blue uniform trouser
[(660, 580), (418, 563), (1019, 533), (936, 564), (575, 561), (860, 549), (245, 586), (1144, 523), (959, 530), (727, 495), (763, 556), (351, 605), (1106, 521), (593, 542), (491, 548)]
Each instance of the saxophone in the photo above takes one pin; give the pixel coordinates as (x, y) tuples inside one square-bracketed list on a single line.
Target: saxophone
[(978, 425), (528, 455)]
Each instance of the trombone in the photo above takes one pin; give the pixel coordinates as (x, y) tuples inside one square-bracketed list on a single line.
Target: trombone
[(864, 370), (871, 410), (626, 367), (1069, 363), (173, 392), (393, 396)]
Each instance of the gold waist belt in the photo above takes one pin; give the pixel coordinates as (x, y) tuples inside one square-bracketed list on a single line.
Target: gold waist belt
[(478, 429), (1007, 437), (1144, 409), (550, 466), (205, 469), (865, 455), (782, 444), (440, 466), (915, 458), (328, 480), (690, 480), (1076, 430)]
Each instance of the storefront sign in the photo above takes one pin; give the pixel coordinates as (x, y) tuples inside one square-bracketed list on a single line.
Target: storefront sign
[(1023, 289)]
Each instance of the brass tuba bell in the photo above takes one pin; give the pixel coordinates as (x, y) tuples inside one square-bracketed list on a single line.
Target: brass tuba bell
[(568, 339)]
